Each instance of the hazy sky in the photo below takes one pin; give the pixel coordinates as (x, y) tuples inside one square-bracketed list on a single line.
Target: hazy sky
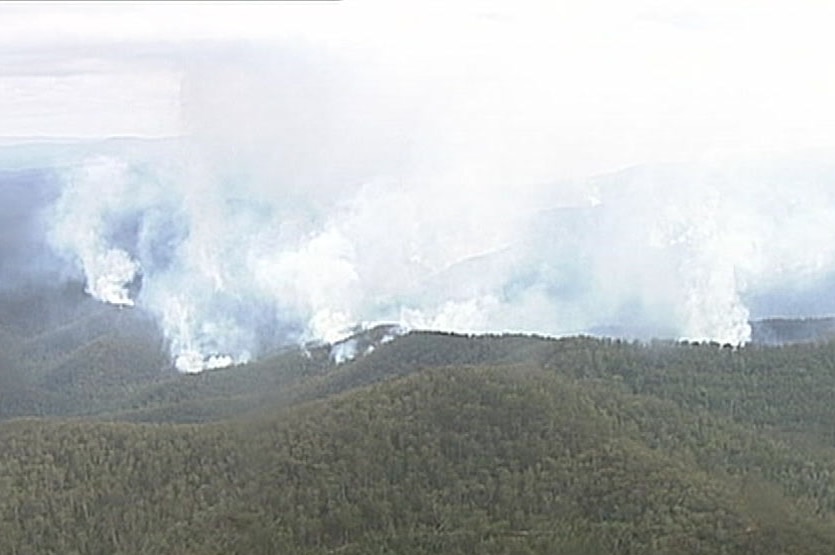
[(604, 83)]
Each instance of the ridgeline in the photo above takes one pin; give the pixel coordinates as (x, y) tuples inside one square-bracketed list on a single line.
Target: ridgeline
[(428, 443)]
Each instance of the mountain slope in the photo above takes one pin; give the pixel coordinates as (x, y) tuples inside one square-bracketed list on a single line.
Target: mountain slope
[(456, 460), (427, 443)]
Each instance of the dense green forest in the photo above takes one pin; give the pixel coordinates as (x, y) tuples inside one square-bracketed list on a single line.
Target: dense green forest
[(428, 443)]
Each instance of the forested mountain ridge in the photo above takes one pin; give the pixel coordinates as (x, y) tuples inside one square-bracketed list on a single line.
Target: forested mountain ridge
[(419, 443), (64, 354), (488, 459), (439, 443)]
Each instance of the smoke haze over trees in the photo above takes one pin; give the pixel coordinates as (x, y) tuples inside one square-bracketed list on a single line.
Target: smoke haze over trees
[(543, 168), (233, 265)]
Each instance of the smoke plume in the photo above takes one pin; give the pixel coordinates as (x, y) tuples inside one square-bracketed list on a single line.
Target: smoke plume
[(311, 195)]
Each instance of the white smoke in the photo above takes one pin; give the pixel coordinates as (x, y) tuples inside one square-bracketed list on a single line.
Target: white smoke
[(231, 272), (344, 351), (313, 193), (91, 196)]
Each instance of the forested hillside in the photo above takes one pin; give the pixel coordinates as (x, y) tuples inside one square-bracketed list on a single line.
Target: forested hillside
[(429, 443)]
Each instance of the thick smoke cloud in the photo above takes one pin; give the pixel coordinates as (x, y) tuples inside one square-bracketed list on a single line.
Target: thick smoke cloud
[(311, 196)]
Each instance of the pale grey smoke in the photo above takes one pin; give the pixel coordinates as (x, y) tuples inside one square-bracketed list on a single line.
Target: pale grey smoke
[(312, 196), (668, 250), (344, 351), (98, 192)]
